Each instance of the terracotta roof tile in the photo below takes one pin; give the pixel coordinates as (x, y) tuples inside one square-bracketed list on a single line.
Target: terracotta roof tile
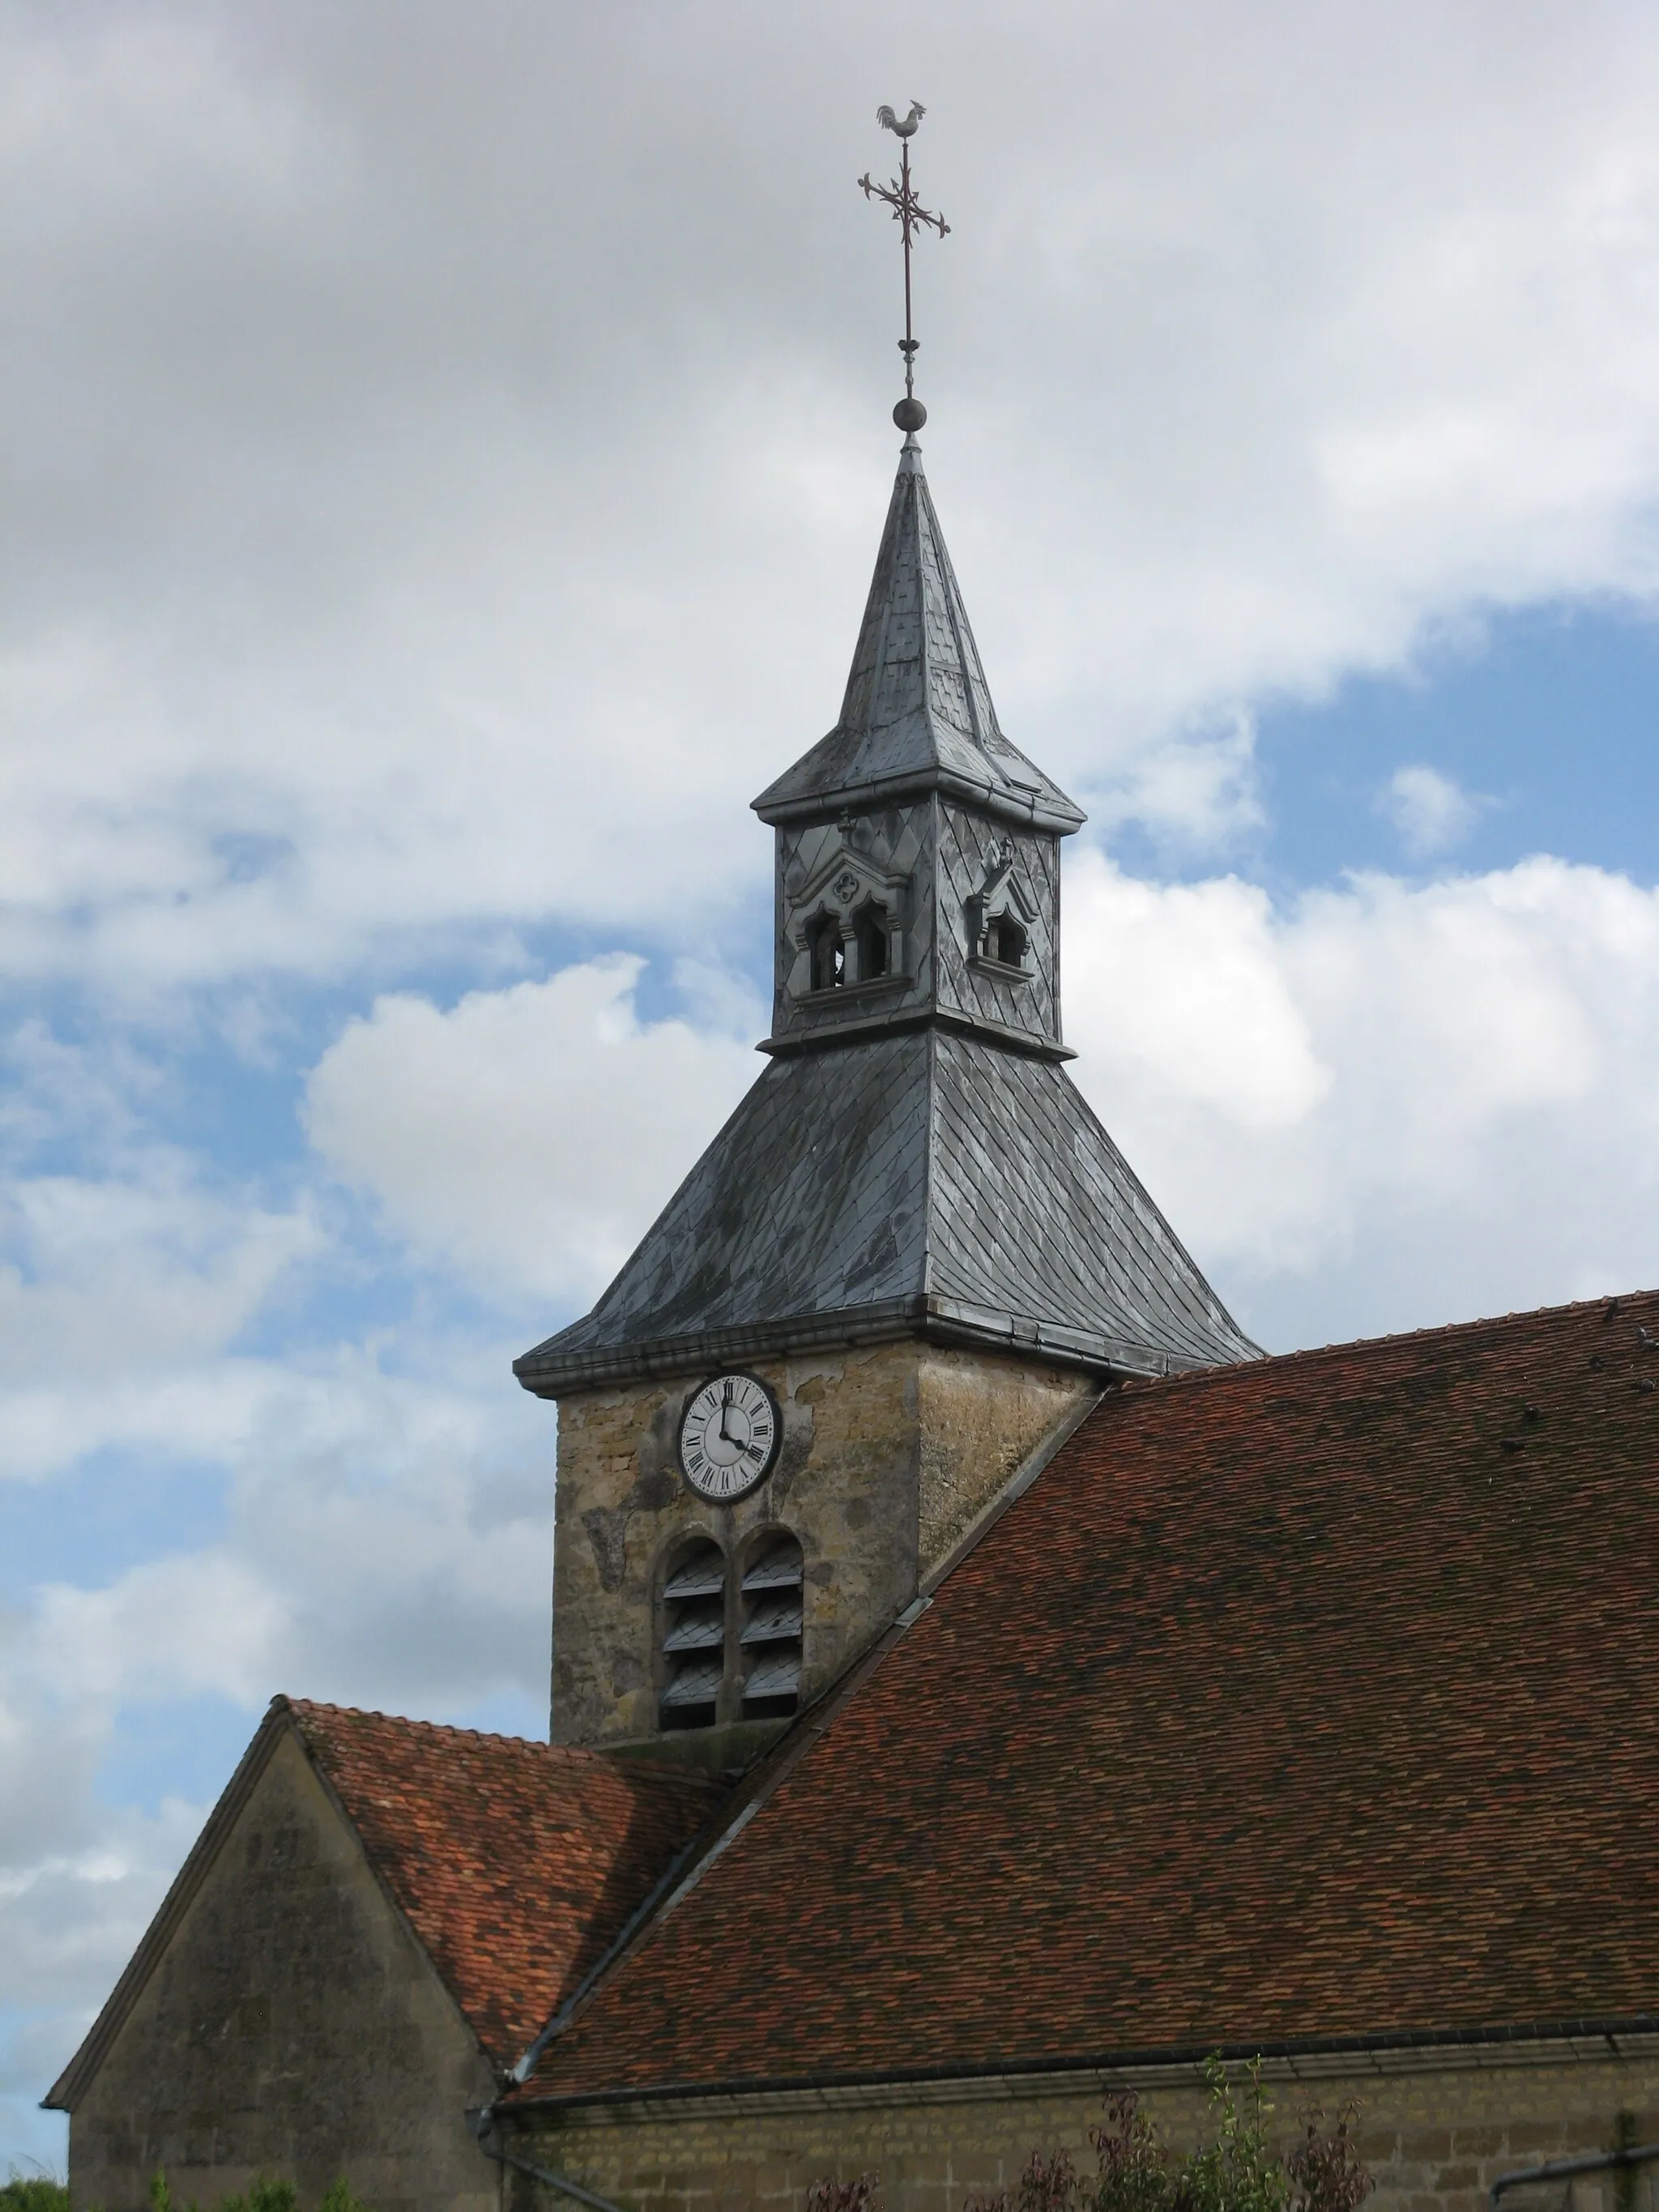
[(1306, 1700), (515, 1863)]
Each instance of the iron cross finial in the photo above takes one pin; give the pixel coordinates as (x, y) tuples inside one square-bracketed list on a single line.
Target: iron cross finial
[(910, 213)]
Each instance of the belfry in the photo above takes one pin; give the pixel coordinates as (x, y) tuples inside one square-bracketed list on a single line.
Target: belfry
[(910, 1254)]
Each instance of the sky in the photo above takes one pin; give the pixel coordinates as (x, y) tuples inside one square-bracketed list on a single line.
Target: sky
[(445, 448)]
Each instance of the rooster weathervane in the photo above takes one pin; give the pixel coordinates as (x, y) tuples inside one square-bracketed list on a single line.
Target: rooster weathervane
[(909, 214)]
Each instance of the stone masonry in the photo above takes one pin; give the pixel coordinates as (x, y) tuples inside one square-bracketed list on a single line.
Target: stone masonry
[(295, 2027), (887, 1454), (1435, 2128)]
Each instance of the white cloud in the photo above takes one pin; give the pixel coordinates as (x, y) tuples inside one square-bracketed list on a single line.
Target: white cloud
[(421, 541), (124, 1287), (1385, 1105), (1431, 813), (387, 1541), (527, 1136)]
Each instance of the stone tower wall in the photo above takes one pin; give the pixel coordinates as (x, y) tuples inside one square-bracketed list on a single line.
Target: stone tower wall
[(888, 1451)]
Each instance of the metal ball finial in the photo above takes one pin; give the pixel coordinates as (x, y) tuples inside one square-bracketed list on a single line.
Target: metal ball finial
[(909, 414)]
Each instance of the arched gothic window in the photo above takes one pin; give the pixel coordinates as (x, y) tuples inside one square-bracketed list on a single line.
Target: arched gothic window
[(828, 953), (869, 935), (693, 1635), (769, 1641), (1005, 941)]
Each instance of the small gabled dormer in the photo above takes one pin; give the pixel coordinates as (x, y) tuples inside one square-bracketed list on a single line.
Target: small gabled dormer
[(844, 924)]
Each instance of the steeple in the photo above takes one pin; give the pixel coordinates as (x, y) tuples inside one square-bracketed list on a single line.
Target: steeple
[(910, 1255), (918, 714), (915, 1162)]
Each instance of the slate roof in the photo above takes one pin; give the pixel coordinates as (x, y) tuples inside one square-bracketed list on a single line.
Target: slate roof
[(917, 715), (928, 1181), (515, 1863), (1306, 1701)]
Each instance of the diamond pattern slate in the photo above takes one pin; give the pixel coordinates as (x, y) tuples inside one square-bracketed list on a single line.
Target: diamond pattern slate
[(925, 1182), (918, 713)]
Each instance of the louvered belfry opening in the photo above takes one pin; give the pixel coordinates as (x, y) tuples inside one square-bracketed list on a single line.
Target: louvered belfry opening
[(770, 1636), (693, 1635)]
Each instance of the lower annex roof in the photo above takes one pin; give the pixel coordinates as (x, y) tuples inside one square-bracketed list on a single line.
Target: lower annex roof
[(515, 1863)]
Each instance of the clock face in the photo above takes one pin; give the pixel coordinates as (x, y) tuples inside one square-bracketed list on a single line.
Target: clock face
[(729, 1436)]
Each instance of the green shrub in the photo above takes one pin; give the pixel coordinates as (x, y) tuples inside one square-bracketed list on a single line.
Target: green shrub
[(32, 2193), (1135, 2170), (264, 2194)]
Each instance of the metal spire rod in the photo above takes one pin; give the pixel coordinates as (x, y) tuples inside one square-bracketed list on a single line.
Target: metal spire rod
[(909, 213)]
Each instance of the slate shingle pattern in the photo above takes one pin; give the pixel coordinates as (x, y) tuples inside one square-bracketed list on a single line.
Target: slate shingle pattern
[(1304, 1700), (917, 713), (928, 1181), (515, 1863)]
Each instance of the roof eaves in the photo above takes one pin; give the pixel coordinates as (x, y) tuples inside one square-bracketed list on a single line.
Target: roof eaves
[(1597, 2038), (935, 1318), (1024, 805)]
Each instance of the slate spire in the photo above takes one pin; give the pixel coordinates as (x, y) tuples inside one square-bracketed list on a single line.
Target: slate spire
[(915, 1161), (918, 714)]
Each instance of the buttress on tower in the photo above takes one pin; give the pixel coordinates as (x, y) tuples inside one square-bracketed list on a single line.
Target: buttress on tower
[(909, 1257)]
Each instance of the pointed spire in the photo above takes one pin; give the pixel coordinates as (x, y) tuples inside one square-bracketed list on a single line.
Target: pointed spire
[(918, 714)]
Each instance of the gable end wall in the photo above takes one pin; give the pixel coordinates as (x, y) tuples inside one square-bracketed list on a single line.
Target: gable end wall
[(292, 2026)]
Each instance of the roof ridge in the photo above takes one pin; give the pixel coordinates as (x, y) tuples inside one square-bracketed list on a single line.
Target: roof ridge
[(1195, 1377), (303, 1707), (657, 1770)]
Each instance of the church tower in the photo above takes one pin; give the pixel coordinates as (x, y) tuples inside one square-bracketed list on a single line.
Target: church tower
[(908, 1257)]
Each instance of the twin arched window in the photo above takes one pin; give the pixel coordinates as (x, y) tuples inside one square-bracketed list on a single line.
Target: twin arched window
[(731, 1633), (840, 953)]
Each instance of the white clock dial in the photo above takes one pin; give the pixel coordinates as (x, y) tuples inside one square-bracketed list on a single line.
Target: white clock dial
[(729, 1436)]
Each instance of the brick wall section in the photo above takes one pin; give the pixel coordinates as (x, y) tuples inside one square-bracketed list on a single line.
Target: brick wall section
[(1435, 2135), (887, 1452)]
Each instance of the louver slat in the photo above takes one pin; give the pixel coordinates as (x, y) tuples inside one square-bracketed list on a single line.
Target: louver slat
[(702, 1577), (779, 1569), (697, 1683), (701, 1629), (775, 1674), (773, 1619)]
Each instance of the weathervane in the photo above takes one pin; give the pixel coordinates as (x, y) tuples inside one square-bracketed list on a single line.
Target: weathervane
[(907, 212)]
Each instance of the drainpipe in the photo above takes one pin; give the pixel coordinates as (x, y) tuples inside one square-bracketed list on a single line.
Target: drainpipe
[(1562, 2169), (560, 2181)]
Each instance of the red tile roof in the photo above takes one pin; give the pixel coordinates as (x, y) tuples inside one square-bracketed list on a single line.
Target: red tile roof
[(1303, 1700), (515, 1863)]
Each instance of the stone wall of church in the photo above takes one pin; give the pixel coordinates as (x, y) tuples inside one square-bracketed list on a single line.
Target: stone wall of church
[(293, 2028), (978, 1422), (887, 1453), (1434, 2135)]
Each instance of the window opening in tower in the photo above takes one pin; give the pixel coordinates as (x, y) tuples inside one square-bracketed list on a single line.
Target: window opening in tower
[(770, 1639), (694, 1637)]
